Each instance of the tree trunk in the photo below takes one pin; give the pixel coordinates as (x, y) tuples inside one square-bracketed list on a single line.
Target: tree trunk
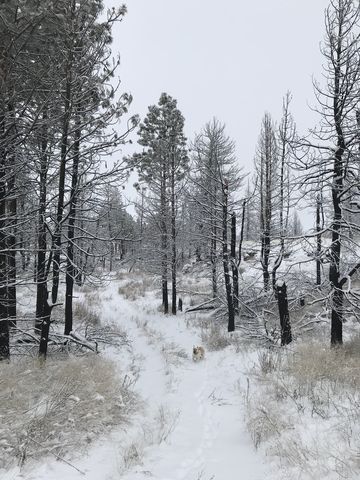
[(336, 191), (229, 297), (40, 264), (11, 228), (4, 323), (282, 299), (164, 246), (241, 240), (70, 267), (213, 246), (45, 328), (265, 253), (173, 235), (62, 170), (318, 242), (235, 271), (11, 241)]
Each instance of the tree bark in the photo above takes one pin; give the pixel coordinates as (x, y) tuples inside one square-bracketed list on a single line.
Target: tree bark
[(336, 191), (4, 322), (229, 296), (173, 234), (40, 268), (70, 267), (318, 242), (234, 265), (164, 246), (285, 325), (45, 329), (62, 170)]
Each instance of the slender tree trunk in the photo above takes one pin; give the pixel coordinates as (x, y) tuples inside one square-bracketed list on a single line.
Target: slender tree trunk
[(40, 265), (285, 325), (4, 322), (45, 329), (335, 253), (235, 271), (265, 254), (241, 240), (336, 191), (213, 244), (164, 245), (11, 228), (229, 296), (70, 267), (173, 235), (62, 170), (11, 254), (318, 241)]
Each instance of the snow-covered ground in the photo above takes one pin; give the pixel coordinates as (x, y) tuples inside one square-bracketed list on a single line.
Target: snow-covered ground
[(204, 420), (191, 426)]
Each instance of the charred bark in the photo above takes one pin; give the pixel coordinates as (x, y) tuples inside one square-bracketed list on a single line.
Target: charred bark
[(234, 265), (318, 242), (229, 296), (284, 315)]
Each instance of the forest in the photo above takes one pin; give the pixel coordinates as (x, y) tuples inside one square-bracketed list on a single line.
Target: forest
[(103, 298)]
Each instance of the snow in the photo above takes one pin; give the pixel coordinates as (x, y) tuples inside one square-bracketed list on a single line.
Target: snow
[(201, 420), (192, 424)]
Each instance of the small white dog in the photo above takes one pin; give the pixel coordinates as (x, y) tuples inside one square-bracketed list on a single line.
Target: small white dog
[(198, 353)]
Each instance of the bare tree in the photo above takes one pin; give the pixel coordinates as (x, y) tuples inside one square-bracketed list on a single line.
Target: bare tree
[(266, 165), (336, 142)]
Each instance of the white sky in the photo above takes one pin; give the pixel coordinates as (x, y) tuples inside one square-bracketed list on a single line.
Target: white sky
[(232, 59)]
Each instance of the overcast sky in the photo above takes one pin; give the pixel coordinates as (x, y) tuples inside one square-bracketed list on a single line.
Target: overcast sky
[(233, 59)]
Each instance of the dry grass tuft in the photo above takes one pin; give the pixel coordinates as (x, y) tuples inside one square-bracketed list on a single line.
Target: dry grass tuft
[(316, 362), (59, 406), (215, 336), (84, 314), (311, 417), (136, 287)]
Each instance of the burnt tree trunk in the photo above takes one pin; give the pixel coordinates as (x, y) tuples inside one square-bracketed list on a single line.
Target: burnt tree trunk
[(336, 191), (45, 329), (40, 260), (283, 305), (234, 266), (318, 242), (242, 229), (265, 254), (229, 296)]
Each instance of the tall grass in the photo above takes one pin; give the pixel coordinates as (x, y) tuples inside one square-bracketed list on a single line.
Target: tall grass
[(59, 407)]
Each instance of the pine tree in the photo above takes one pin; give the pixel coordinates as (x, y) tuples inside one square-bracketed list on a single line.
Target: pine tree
[(162, 166)]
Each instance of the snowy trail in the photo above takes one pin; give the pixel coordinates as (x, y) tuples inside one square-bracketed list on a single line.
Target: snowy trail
[(209, 440), (205, 434)]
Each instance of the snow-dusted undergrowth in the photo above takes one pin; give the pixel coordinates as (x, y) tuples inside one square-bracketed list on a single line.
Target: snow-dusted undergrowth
[(303, 407), (60, 406)]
